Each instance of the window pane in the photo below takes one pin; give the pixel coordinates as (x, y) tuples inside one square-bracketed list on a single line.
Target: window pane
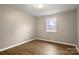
[(51, 24)]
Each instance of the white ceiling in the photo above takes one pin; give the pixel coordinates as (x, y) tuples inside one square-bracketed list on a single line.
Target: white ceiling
[(47, 10)]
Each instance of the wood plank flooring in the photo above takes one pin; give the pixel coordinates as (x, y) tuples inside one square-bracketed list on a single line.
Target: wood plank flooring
[(39, 47)]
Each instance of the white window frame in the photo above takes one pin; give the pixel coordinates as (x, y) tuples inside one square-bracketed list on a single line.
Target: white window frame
[(52, 19)]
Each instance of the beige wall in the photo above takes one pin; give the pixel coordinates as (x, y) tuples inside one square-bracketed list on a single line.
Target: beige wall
[(15, 27), (66, 28)]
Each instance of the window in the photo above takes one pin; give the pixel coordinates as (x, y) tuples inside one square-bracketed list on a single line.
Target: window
[(51, 24)]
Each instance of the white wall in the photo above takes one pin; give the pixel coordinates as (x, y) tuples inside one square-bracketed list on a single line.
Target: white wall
[(78, 26), (15, 27), (66, 28)]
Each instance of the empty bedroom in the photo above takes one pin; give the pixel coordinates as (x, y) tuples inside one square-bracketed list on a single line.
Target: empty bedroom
[(39, 29)]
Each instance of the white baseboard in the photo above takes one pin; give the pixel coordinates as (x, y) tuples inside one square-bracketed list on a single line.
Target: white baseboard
[(77, 48), (56, 41), (40, 39), (16, 45), (60, 43)]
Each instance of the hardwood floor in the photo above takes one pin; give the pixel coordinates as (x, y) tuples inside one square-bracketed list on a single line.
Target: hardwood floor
[(39, 47)]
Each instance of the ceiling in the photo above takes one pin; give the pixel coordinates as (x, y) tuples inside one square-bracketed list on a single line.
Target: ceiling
[(46, 10)]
